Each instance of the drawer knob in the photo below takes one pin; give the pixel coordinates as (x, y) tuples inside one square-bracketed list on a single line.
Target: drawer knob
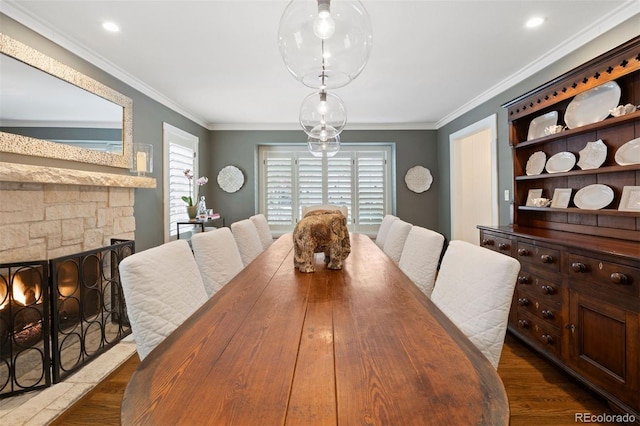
[(579, 267), (523, 301), (523, 252), (523, 279), (548, 289), (545, 258), (619, 278), (487, 242), (503, 246), (523, 323), (547, 338), (547, 314)]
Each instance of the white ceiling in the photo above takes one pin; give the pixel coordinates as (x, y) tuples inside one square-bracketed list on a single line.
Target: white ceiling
[(218, 62)]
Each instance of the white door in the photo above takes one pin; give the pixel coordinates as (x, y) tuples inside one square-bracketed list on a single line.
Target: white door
[(474, 192)]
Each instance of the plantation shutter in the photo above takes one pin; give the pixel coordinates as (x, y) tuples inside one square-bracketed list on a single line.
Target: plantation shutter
[(339, 183), (278, 187), (310, 182), (181, 157), (371, 187)]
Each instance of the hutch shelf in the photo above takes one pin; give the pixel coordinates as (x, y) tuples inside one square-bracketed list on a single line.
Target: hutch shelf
[(577, 298)]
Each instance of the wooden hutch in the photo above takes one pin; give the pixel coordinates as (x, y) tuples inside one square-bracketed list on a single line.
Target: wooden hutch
[(577, 297)]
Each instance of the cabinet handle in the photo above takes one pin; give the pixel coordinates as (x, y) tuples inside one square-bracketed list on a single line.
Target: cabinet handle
[(547, 338), (523, 323), (523, 279), (579, 267), (523, 252), (523, 301), (619, 278), (570, 327), (547, 314), (503, 246), (548, 289), (487, 242), (545, 258)]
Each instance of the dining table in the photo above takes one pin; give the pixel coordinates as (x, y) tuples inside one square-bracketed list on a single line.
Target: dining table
[(360, 345)]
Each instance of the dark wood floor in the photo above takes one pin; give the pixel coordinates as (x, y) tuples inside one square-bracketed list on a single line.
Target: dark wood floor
[(539, 393)]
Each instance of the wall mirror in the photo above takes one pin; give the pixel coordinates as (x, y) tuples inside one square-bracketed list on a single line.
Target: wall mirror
[(50, 110)]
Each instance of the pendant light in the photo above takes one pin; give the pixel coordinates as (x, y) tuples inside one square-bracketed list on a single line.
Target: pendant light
[(328, 148), (325, 44), (323, 115)]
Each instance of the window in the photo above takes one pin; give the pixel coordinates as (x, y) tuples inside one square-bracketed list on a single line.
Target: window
[(180, 153), (358, 177)]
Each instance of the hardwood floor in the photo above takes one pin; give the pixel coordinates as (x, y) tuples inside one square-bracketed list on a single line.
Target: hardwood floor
[(539, 393)]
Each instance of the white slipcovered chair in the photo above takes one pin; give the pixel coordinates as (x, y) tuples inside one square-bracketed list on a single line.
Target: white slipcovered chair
[(474, 289), (394, 243), (162, 287), (217, 257), (247, 239), (384, 228), (343, 208), (264, 232), (420, 257)]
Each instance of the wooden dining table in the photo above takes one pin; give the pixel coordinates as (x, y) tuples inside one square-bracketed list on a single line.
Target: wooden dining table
[(361, 345)]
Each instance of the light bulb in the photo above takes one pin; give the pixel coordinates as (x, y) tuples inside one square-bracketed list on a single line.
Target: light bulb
[(322, 105), (327, 148), (324, 26)]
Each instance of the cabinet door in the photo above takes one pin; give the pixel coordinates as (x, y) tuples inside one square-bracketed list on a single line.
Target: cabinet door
[(604, 346)]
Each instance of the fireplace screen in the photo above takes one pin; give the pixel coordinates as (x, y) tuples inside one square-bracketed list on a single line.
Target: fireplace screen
[(56, 316)]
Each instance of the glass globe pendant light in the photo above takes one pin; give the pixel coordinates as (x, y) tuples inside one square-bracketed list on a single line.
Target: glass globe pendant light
[(323, 115), (328, 148), (325, 44)]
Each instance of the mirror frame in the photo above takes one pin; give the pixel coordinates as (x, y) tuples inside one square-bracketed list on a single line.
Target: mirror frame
[(24, 145)]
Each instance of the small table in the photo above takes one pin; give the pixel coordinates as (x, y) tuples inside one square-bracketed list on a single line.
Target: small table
[(201, 223)]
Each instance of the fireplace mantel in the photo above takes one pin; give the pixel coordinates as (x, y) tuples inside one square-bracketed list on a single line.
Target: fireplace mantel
[(13, 172)]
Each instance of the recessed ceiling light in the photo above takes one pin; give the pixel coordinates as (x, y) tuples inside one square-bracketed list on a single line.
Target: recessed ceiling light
[(112, 27), (536, 21)]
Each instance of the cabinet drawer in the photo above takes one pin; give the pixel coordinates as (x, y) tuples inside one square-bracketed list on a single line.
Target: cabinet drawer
[(496, 243), (612, 276), (536, 304), (545, 336), (545, 258), (539, 288)]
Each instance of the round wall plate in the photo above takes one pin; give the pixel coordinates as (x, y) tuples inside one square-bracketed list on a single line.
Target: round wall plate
[(230, 179), (418, 179)]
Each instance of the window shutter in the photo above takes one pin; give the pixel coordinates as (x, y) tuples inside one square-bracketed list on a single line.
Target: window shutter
[(339, 183), (181, 158), (310, 184), (371, 187), (278, 186)]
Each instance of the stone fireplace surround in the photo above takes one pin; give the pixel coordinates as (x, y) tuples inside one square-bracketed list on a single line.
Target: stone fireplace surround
[(50, 212)]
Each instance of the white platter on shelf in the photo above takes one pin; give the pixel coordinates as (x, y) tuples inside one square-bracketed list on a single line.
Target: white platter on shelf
[(535, 163), (593, 105), (538, 124), (592, 155), (629, 153), (630, 201), (593, 197), (561, 162)]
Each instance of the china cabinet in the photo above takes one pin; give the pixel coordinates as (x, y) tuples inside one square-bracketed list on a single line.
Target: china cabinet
[(577, 298)]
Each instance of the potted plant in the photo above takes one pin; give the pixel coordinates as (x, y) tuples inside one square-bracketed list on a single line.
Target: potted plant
[(191, 208)]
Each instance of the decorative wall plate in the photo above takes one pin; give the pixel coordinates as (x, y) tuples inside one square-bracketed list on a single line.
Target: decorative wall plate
[(561, 198), (538, 124), (535, 163), (630, 201), (629, 153), (230, 179), (593, 197), (418, 179), (592, 155)]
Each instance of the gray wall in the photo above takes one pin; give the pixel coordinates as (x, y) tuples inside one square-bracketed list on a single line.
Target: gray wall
[(148, 116), (602, 44), (239, 148)]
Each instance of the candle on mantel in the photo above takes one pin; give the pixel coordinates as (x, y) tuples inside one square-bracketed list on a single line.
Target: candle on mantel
[(141, 162)]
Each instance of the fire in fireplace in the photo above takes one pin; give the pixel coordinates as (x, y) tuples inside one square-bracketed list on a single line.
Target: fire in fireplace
[(56, 316)]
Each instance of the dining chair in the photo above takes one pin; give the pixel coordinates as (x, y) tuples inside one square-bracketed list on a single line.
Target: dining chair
[(261, 224), (162, 287), (217, 257), (383, 230), (420, 256), (343, 208), (247, 239), (474, 288), (394, 242)]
